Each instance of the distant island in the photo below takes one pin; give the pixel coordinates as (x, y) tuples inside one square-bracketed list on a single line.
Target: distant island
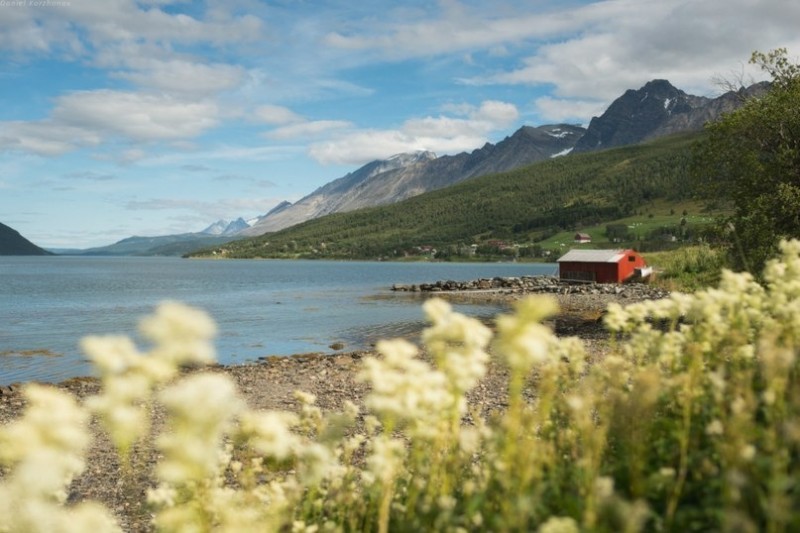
[(12, 243)]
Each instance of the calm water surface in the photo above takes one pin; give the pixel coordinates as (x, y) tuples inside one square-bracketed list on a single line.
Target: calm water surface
[(262, 307)]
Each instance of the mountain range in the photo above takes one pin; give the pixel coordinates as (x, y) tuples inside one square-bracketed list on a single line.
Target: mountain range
[(224, 227), (171, 245), (501, 215), (407, 175), (655, 110)]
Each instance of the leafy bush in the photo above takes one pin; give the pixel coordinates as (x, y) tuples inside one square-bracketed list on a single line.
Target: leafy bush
[(752, 158), (691, 422), (688, 269)]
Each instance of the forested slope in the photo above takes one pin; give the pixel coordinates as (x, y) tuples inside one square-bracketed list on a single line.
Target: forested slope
[(520, 205)]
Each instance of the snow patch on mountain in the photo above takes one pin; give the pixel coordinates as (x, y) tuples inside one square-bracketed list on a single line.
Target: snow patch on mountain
[(224, 227), (558, 133), (216, 228), (562, 152)]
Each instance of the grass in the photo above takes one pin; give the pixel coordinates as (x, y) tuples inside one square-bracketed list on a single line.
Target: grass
[(687, 269), (658, 214)]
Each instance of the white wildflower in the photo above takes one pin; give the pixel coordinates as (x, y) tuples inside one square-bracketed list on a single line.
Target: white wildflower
[(46, 448), (616, 319), (112, 354), (181, 333), (457, 344), (714, 428), (769, 396), (738, 405), (667, 472), (201, 409), (305, 398), (446, 502), (576, 403), (406, 389), (162, 496), (316, 462), (269, 433), (470, 440), (386, 457), (747, 452), (604, 487), (350, 410), (174, 321), (557, 524)]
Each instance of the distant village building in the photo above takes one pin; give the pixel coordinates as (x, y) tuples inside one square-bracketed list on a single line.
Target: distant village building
[(602, 266), (583, 238)]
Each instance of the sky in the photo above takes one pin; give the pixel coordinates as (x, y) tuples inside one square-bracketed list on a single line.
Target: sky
[(124, 117)]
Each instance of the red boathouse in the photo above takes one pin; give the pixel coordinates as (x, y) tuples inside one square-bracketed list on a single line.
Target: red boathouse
[(602, 266)]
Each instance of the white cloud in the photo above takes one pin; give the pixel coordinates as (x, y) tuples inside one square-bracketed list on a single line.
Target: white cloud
[(276, 115), (46, 137), (440, 134), (558, 110), (80, 24), (205, 210), (496, 114), (130, 156), (618, 45), (311, 128), (136, 116), (592, 52), (178, 76), (366, 145), (87, 118), (90, 175), (455, 29), (236, 153)]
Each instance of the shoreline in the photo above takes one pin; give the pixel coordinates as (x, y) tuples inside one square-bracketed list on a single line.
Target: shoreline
[(269, 384), (581, 308)]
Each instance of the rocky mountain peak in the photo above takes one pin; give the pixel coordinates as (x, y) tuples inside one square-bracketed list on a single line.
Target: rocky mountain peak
[(411, 158), (216, 228), (638, 114), (224, 227)]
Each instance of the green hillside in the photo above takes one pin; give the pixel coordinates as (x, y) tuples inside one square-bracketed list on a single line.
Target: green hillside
[(168, 245), (525, 206), (12, 243)]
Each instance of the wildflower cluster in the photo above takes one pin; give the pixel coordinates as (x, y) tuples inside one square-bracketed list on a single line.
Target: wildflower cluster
[(691, 421)]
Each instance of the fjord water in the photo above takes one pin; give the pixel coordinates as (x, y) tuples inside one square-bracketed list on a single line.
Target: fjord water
[(262, 307)]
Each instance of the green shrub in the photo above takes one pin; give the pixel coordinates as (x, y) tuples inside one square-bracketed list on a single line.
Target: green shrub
[(689, 268)]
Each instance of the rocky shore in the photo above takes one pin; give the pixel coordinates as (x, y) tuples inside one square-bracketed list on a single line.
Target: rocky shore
[(581, 304), (269, 383), (539, 285)]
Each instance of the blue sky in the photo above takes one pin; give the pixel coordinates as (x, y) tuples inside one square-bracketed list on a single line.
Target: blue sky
[(125, 118)]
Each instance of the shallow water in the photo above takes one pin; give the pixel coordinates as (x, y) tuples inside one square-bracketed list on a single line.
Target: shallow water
[(262, 307)]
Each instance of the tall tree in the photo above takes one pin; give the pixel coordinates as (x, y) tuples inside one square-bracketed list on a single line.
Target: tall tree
[(752, 157)]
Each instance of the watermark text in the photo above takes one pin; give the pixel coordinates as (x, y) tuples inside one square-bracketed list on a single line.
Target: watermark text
[(35, 3)]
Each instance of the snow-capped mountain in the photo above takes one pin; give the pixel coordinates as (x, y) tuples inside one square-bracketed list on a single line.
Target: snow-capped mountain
[(224, 227), (405, 175), (216, 228)]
